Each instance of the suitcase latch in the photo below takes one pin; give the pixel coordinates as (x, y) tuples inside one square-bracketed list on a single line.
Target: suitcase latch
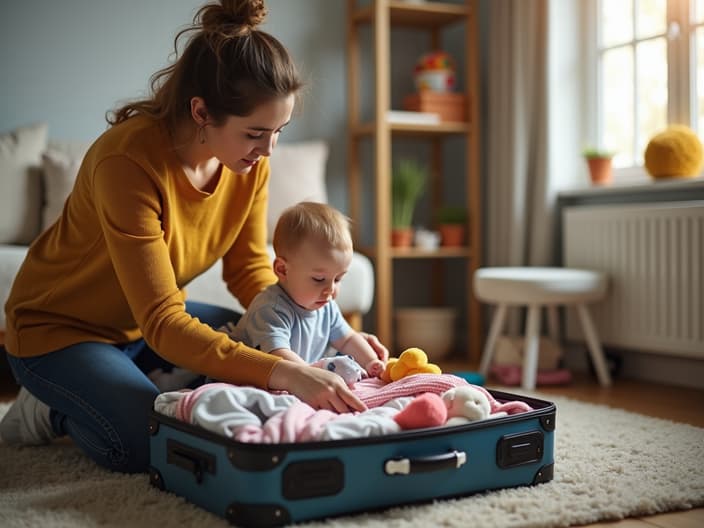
[(518, 449)]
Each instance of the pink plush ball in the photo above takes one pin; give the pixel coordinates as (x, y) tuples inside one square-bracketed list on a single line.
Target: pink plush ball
[(426, 410)]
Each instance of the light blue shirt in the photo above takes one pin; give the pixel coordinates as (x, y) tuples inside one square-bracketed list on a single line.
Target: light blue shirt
[(274, 320)]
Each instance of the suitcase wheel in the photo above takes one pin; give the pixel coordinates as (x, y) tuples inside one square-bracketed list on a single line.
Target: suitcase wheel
[(155, 478)]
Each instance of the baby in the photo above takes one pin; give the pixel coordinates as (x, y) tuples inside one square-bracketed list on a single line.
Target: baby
[(297, 318)]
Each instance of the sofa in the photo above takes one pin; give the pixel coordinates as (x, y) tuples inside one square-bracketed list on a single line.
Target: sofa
[(36, 175)]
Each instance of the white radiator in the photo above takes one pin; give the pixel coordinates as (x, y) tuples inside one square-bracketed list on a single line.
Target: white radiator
[(654, 256)]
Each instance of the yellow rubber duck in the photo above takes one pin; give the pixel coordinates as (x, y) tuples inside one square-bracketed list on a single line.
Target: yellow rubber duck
[(411, 361)]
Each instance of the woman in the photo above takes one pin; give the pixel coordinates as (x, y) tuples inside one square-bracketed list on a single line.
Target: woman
[(177, 182)]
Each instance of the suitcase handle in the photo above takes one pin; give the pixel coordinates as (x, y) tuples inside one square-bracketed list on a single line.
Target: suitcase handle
[(189, 458), (406, 466)]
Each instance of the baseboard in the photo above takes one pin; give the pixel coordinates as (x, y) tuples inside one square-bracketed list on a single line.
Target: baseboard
[(644, 366), (670, 370)]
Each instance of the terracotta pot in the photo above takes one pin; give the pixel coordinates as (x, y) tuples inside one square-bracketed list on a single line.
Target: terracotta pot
[(451, 235), (402, 237), (600, 170)]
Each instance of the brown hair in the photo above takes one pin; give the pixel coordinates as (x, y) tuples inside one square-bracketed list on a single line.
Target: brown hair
[(311, 220), (232, 65)]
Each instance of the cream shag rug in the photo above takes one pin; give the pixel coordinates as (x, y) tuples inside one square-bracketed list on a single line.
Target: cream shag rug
[(609, 464)]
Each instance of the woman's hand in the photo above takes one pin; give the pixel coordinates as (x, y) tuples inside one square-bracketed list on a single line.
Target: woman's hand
[(319, 388), (381, 351)]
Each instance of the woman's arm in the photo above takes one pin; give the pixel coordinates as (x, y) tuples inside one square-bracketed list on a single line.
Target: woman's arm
[(130, 210)]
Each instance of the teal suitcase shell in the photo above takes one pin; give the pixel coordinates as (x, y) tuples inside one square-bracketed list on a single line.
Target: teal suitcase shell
[(276, 484)]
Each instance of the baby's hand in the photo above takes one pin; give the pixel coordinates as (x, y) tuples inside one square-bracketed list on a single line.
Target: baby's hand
[(375, 368)]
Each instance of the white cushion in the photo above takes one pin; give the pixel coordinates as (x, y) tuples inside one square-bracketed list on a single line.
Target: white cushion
[(59, 171), (71, 148), (536, 285), (297, 175), (11, 258), (20, 183), (357, 286)]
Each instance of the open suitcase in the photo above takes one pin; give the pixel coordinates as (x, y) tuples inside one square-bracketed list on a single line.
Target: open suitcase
[(274, 484)]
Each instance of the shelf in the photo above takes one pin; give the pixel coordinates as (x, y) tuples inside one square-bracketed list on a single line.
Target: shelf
[(370, 190), (368, 129), (416, 253), (427, 16)]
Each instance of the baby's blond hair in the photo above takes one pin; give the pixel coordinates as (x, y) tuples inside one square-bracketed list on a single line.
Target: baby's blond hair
[(311, 221)]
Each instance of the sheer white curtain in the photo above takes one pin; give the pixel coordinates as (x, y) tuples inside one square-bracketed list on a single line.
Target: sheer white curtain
[(532, 125)]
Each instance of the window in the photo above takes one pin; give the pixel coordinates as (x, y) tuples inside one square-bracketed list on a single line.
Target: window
[(650, 72)]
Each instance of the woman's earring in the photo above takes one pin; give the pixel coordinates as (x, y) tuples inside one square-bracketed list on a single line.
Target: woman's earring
[(201, 135)]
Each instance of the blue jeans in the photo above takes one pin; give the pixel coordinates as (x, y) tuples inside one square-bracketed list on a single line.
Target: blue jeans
[(99, 394)]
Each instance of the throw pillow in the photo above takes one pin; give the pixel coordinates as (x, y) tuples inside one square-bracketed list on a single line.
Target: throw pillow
[(20, 183), (297, 175), (60, 171)]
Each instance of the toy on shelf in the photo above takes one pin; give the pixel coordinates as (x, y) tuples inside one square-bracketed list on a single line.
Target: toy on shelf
[(436, 72)]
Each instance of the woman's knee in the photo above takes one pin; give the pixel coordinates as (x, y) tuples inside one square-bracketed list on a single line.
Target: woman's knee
[(99, 397)]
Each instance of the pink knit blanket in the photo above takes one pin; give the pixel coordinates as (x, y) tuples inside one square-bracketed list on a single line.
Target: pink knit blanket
[(374, 392)]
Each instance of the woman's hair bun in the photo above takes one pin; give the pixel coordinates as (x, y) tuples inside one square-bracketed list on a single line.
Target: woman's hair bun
[(232, 18)]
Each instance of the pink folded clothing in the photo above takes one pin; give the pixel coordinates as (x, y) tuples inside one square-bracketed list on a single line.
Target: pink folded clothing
[(190, 398), (374, 392), (512, 375)]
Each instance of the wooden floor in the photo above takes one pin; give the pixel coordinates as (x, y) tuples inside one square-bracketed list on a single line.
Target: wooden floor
[(673, 403)]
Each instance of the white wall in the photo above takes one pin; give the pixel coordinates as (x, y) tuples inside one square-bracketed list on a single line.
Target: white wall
[(68, 62)]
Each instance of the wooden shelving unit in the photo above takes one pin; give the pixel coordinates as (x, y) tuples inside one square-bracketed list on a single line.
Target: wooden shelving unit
[(432, 17)]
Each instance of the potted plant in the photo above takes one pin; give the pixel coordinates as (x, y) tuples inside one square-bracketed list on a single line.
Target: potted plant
[(599, 163), (407, 184), (452, 223)]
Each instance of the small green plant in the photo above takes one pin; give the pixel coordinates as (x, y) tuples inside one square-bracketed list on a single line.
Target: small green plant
[(407, 184), (452, 214), (597, 153)]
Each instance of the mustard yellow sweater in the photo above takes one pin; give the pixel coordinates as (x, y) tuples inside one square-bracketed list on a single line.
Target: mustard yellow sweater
[(133, 233)]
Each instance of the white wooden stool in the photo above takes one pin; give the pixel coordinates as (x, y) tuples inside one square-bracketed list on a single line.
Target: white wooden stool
[(536, 287)]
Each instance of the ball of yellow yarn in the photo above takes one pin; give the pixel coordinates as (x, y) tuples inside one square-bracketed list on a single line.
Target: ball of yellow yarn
[(675, 152)]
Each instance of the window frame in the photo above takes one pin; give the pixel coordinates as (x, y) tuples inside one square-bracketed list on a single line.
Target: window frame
[(681, 85)]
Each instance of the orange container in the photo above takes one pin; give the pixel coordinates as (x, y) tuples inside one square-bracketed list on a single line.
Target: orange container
[(450, 106)]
